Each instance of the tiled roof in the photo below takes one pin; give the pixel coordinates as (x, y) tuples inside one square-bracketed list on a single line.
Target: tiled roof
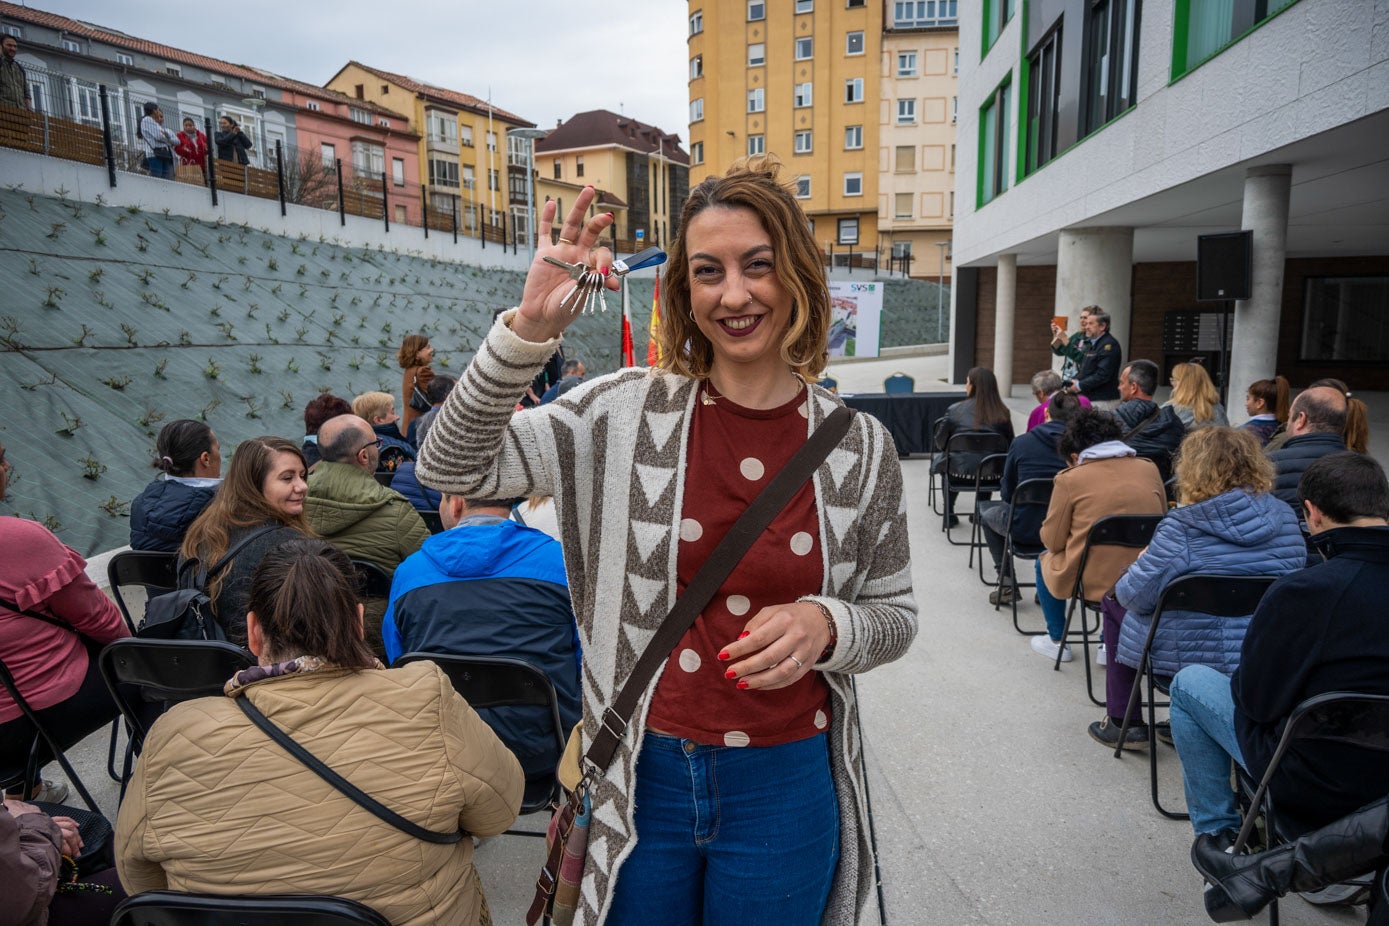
[(599, 127), (109, 36), (430, 91)]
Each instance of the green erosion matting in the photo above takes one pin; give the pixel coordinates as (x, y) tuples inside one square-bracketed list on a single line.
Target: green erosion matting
[(113, 321)]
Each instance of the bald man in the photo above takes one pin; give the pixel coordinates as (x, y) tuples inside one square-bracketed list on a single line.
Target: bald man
[(1315, 422)]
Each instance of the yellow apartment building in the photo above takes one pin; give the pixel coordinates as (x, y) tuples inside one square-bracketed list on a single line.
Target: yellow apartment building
[(816, 83), (467, 160)]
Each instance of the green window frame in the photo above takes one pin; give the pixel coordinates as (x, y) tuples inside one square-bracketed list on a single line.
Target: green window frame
[(1202, 29), (994, 143), (997, 13)]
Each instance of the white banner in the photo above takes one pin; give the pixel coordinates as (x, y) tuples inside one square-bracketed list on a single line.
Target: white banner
[(856, 311)]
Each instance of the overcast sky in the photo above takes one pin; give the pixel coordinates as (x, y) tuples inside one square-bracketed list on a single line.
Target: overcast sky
[(544, 59)]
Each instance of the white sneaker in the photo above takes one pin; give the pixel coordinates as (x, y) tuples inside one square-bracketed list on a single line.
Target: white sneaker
[(1042, 645), (1101, 657)]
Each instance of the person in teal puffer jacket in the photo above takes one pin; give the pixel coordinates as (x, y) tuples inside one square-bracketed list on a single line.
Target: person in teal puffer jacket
[(1230, 524)]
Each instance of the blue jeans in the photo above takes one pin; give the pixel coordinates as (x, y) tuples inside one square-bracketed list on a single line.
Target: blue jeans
[(1203, 729), (730, 836), (1053, 608), (160, 168)]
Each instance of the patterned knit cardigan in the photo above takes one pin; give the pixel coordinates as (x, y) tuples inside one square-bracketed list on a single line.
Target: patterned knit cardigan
[(612, 452)]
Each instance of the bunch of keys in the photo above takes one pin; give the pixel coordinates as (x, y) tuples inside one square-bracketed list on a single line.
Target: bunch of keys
[(587, 293)]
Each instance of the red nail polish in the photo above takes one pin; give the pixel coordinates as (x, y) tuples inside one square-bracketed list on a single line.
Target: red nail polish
[(603, 270), (730, 674), (742, 685), (724, 657), (745, 633)]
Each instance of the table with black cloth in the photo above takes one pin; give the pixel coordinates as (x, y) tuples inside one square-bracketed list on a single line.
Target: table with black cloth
[(907, 415)]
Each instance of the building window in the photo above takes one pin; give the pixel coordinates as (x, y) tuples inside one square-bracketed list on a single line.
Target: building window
[(579, 166), (853, 90), (696, 67), (996, 16), (491, 141), (359, 115), (804, 94), (757, 144), (313, 106), (802, 187), (954, 108), (1043, 100), (924, 14), (494, 180), (955, 67), (173, 70), (757, 100), (853, 43), (329, 154), (855, 4), (757, 10), (1346, 320), (1110, 61), (123, 58), (696, 152), (15, 31), (906, 64), (805, 48), (993, 144), (848, 231), (805, 6), (853, 184), (559, 169), (368, 160), (697, 109), (804, 142), (384, 123), (1203, 29), (952, 157), (439, 128), (72, 45), (398, 171), (697, 22), (757, 54), (906, 112), (465, 136), (902, 209), (904, 161), (853, 137), (443, 173), (902, 250)]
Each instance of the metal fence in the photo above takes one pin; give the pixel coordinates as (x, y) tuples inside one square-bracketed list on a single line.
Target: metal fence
[(92, 123)]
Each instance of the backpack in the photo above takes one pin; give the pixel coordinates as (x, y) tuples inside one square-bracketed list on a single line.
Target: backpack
[(186, 613)]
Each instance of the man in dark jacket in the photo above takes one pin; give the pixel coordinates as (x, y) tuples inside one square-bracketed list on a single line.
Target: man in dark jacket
[(1318, 630), (1315, 422), (488, 586), (1098, 376), (1032, 455), (1159, 431)]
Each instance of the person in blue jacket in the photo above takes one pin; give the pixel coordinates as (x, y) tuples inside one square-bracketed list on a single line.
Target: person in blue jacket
[(189, 461), (1231, 524), (421, 496), (488, 586)]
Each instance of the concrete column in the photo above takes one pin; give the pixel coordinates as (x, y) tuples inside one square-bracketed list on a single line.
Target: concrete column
[(1254, 352), (1005, 303), (1094, 266)]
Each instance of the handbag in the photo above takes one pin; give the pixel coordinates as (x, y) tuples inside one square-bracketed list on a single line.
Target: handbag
[(186, 612), (557, 888), (98, 842), (418, 400)]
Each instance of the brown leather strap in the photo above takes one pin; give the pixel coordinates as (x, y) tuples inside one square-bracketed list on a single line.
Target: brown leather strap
[(734, 545)]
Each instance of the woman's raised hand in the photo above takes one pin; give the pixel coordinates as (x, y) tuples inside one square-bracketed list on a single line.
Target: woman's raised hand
[(540, 316)]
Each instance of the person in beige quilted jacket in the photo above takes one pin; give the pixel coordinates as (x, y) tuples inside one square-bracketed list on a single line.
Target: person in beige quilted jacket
[(216, 806)]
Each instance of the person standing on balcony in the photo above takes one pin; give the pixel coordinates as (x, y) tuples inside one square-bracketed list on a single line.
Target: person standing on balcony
[(14, 87), (232, 143), (159, 143), (192, 147)]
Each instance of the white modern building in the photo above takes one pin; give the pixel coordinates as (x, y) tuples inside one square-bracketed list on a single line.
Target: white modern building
[(1099, 138)]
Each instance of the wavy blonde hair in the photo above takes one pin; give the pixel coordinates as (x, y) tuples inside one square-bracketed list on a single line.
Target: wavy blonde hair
[(1214, 460), (756, 184), (1194, 389)]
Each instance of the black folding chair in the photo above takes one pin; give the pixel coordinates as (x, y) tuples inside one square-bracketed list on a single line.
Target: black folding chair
[(988, 478), (1217, 596), (1030, 492), (432, 521), (931, 466), (1345, 717), (25, 770), (372, 580), (384, 476), (1134, 531), (975, 445), (149, 568), (171, 908), (504, 681)]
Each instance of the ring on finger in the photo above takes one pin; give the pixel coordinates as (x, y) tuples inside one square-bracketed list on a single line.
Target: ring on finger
[(565, 240), (799, 664)]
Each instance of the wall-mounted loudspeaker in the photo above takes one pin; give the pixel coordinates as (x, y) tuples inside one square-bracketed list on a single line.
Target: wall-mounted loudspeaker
[(1224, 266)]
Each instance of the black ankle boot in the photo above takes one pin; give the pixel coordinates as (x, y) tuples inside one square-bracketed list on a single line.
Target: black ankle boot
[(1242, 885)]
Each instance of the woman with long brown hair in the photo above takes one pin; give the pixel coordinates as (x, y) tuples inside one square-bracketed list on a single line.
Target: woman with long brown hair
[(1194, 397), (262, 494), (753, 713), (982, 409), (414, 356)]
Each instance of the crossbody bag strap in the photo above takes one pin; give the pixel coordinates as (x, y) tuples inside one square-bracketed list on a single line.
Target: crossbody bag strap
[(227, 557), (734, 545), (1142, 425), (358, 796)]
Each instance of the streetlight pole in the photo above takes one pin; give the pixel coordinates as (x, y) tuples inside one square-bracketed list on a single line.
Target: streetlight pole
[(940, 292), (530, 135)]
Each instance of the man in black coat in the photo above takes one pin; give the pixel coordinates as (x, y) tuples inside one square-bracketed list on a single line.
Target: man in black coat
[(1098, 376), (1032, 455), (1152, 431), (1316, 631), (1315, 422)]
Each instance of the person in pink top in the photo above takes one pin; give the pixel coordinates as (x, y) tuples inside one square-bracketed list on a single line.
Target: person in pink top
[(1045, 385), (51, 650)]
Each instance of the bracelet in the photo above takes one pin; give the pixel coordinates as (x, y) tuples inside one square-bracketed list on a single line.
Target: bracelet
[(834, 634)]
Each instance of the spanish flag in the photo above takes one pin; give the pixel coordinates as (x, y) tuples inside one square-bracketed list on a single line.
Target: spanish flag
[(653, 353), (628, 353)]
